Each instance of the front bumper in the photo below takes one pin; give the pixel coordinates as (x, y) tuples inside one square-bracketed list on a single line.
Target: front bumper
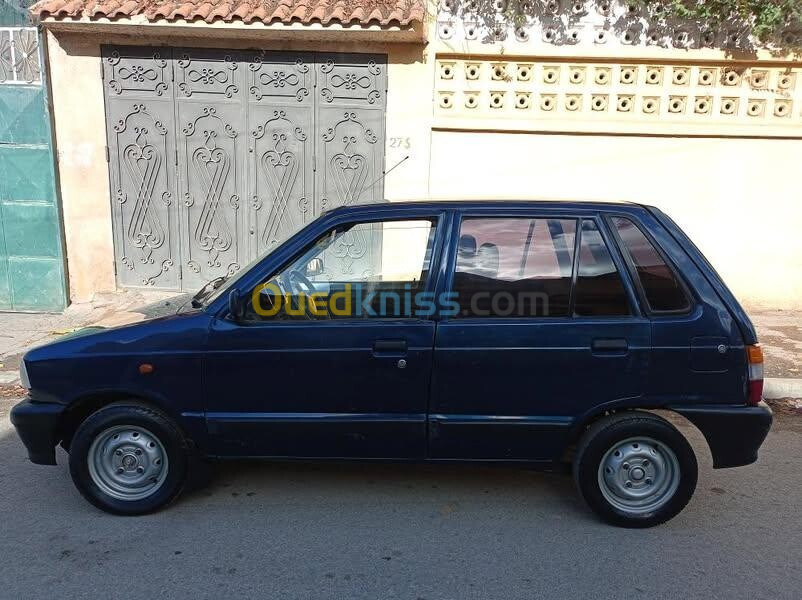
[(734, 433), (37, 425)]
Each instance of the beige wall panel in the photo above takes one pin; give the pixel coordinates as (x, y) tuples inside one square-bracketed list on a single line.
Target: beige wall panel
[(738, 199), (409, 120), (80, 130)]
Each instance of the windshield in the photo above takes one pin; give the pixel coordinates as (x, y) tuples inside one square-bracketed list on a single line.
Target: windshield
[(230, 282)]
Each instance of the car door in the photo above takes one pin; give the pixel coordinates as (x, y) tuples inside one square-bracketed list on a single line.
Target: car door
[(543, 330), (330, 359)]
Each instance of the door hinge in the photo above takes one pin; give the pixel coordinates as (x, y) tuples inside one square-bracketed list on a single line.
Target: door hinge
[(108, 159), (176, 158), (314, 163)]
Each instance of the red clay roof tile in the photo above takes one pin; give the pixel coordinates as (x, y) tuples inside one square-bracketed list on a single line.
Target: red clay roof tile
[(363, 12)]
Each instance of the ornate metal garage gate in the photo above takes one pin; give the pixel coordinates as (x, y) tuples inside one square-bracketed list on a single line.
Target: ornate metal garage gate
[(214, 156)]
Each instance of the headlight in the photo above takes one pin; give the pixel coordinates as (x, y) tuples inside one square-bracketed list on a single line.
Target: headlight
[(23, 375)]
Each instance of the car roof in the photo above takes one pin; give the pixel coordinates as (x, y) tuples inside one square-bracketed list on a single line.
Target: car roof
[(475, 204)]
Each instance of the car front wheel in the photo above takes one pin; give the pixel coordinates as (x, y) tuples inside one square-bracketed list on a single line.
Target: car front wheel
[(635, 469), (129, 459)]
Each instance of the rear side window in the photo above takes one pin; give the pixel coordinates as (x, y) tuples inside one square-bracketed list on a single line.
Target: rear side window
[(599, 291), (514, 267), (663, 291)]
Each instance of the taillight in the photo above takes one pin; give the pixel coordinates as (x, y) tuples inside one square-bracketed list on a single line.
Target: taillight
[(754, 358)]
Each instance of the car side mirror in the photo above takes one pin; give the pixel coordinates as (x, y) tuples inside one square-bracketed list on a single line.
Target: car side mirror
[(314, 267), (236, 307)]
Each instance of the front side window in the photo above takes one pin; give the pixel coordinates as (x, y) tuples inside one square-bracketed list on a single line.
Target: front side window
[(663, 291), (514, 267), (360, 270)]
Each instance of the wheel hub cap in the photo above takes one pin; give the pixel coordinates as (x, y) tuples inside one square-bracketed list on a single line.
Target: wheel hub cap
[(127, 462), (639, 475)]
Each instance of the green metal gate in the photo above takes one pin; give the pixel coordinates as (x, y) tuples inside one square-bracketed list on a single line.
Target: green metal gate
[(31, 250)]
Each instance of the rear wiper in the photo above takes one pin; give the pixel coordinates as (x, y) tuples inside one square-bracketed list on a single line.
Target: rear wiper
[(197, 299)]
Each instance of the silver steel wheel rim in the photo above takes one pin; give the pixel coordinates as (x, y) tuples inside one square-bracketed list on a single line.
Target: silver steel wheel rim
[(639, 475), (127, 462)]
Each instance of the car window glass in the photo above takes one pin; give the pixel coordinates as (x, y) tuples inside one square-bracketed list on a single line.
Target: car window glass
[(514, 267), (663, 291), (363, 270), (599, 290)]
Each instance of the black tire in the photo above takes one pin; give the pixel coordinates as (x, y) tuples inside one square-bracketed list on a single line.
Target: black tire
[(156, 423), (610, 431)]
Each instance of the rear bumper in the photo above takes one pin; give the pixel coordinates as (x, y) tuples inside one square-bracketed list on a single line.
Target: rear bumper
[(37, 425), (734, 433)]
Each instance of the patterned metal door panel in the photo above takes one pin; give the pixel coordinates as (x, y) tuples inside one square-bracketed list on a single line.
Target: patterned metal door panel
[(6, 60), (141, 146), (133, 71), (281, 138), (211, 161), (352, 95), (216, 155)]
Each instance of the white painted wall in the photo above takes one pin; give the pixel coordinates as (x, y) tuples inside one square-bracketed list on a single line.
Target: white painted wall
[(734, 197)]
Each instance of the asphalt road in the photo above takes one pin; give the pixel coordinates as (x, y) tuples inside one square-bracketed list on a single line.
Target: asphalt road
[(304, 530)]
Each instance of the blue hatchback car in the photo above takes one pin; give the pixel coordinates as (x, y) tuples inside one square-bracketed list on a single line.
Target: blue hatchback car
[(540, 333)]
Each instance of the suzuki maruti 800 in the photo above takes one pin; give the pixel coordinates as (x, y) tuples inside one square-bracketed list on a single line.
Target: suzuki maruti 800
[(541, 333)]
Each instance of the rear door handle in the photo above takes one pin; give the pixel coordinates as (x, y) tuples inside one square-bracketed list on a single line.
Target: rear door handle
[(618, 345), (389, 347)]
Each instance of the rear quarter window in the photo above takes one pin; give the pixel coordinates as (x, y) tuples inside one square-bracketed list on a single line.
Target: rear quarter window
[(660, 285), (599, 291)]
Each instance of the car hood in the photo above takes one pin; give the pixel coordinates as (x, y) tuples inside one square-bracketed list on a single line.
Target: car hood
[(170, 306), (153, 327), (142, 314)]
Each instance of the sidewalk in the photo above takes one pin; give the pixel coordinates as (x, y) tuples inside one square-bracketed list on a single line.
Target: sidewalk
[(780, 334)]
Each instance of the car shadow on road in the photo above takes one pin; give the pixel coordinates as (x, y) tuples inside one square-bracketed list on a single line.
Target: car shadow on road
[(444, 486)]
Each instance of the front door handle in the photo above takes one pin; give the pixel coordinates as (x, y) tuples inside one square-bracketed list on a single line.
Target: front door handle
[(610, 345), (389, 347)]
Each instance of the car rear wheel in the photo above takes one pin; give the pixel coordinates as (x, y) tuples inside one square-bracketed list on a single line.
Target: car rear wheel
[(128, 458), (635, 469)]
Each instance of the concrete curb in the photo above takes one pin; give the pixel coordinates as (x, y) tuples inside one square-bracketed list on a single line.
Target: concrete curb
[(9, 377), (775, 388)]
